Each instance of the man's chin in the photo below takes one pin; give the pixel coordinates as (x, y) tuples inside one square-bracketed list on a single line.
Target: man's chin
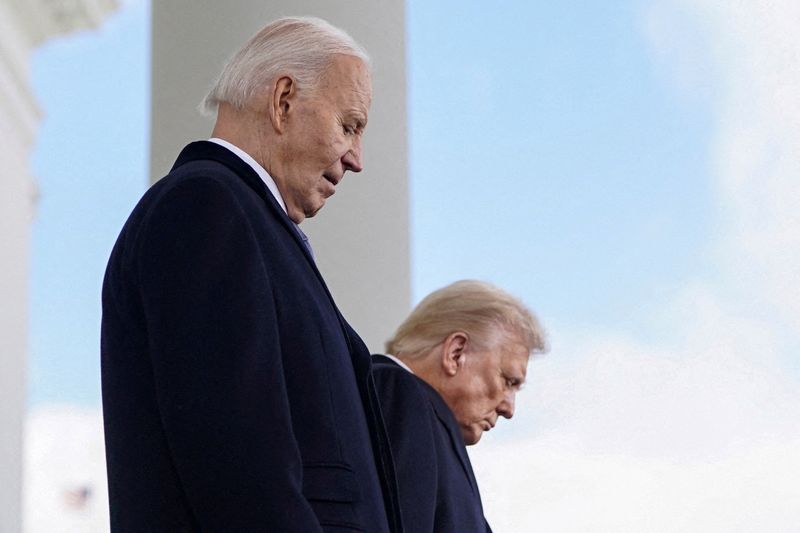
[(472, 436), (312, 210), (296, 216)]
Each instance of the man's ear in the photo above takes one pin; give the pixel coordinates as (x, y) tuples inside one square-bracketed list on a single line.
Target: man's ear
[(283, 93), (454, 350)]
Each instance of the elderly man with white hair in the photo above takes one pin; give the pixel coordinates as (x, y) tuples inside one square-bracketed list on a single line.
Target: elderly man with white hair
[(236, 397), (452, 369)]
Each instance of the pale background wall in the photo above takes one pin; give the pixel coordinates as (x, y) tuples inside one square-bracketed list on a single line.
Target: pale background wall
[(361, 236), (17, 130)]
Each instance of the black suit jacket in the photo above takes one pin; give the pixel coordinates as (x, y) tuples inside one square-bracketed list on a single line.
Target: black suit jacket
[(236, 398), (438, 491)]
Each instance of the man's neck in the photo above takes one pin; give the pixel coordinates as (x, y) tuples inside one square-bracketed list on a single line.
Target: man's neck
[(257, 167)]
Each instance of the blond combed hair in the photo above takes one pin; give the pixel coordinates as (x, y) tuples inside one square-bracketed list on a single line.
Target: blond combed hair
[(486, 313), (300, 47)]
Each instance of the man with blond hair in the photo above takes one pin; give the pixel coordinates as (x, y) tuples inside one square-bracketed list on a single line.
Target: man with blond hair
[(452, 369), (236, 397)]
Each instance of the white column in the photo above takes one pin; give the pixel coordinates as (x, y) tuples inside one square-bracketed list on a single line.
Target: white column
[(15, 215), (17, 127), (360, 238), (23, 25)]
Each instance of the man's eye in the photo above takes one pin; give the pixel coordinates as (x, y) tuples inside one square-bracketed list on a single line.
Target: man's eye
[(513, 383), (349, 130)]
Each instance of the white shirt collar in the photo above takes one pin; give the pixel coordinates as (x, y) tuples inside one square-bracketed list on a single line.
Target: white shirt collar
[(399, 362), (262, 173)]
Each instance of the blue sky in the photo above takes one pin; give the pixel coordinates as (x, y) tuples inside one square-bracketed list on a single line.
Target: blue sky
[(577, 178), (628, 168), (580, 180), (90, 162)]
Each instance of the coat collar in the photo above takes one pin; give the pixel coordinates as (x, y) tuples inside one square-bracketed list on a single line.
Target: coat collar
[(209, 151)]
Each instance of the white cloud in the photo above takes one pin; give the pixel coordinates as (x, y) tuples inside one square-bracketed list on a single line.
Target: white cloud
[(550, 488), (614, 435)]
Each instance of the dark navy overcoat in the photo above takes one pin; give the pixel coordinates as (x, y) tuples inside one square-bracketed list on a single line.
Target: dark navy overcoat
[(438, 491), (236, 398)]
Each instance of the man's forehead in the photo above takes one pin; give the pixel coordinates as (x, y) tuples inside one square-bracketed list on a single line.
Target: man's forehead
[(344, 69), (361, 85), (515, 357), (347, 85)]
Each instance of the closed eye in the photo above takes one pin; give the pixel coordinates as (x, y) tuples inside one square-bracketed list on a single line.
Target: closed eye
[(514, 383), (354, 126)]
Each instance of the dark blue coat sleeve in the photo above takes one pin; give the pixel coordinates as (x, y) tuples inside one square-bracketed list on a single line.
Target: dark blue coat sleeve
[(409, 421), (212, 329)]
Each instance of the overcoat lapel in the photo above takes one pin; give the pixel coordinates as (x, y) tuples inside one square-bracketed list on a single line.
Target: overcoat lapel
[(206, 150)]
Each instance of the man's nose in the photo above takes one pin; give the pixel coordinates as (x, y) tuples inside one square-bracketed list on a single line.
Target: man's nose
[(506, 407), (352, 160)]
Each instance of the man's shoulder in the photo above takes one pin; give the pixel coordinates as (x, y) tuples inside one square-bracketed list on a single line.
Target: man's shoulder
[(388, 370), (397, 385), (200, 173), (196, 181), (198, 192), (191, 189), (403, 386), (204, 164), (210, 157)]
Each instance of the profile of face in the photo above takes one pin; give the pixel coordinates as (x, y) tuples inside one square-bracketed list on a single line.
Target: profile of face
[(480, 386), (320, 133)]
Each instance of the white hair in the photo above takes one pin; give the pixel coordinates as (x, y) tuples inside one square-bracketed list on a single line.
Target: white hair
[(300, 47)]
